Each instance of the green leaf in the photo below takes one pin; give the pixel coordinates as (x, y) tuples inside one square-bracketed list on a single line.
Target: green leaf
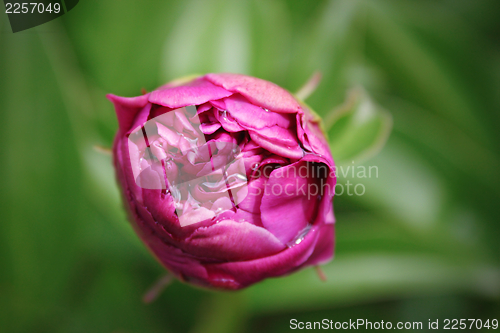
[(248, 37), (358, 129), (417, 72), (208, 36), (41, 200), (327, 43)]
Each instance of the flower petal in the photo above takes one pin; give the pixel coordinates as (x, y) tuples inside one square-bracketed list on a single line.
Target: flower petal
[(244, 216), (279, 141), (252, 201), (237, 275), (325, 208), (259, 92), (230, 240), (194, 93), (127, 108), (227, 121), (208, 129), (311, 136), (255, 117), (323, 250), (288, 204), (219, 104)]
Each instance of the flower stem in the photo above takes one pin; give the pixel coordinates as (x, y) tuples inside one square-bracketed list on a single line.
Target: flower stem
[(310, 86), (321, 274), (157, 288)]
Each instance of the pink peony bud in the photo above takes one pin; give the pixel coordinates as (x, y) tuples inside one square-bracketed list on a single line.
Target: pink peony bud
[(228, 179)]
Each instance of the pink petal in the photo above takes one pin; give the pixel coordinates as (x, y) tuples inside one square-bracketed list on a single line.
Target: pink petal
[(259, 92), (288, 204), (255, 117), (229, 240), (127, 108), (252, 165), (221, 204), (219, 104), (195, 216), (325, 208), (251, 145), (227, 121), (140, 119), (279, 141), (237, 275), (254, 196), (210, 128), (166, 223), (177, 262), (244, 216), (329, 216), (196, 92), (204, 107), (312, 137), (323, 251), (170, 136)]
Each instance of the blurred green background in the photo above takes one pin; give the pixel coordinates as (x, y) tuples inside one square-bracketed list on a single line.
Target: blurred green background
[(422, 242)]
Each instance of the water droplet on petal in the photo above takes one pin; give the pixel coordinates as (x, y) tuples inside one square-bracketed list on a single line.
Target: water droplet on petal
[(300, 236), (224, 115)]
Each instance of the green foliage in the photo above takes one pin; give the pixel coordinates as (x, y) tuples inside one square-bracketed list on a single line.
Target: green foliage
[(421, 243), (358, 130)]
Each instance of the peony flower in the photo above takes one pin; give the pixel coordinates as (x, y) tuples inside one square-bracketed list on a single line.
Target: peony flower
[(228, 179)]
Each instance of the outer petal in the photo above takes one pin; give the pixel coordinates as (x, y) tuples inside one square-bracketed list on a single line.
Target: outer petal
[(279, 141), (323, 250), (196, 92), (237, 275), (235, 241), (255, 117), (127, 108), (178, 262), (325, 208), (253, 199), (288, 204), (310, 134), (140, 118), (260, 92)]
